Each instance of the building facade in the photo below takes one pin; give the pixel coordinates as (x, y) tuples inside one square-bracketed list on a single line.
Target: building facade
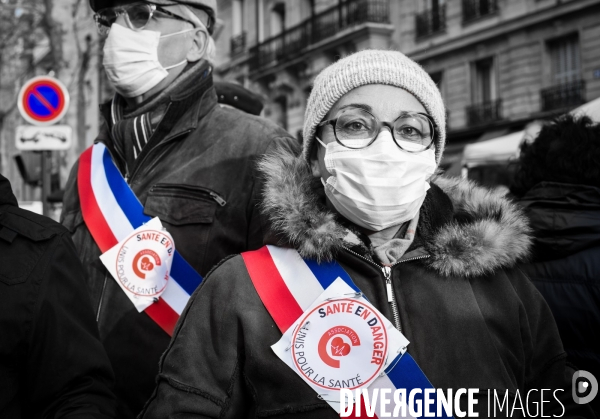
[(499, 63)]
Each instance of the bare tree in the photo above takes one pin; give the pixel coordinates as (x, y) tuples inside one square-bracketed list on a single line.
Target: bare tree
[(16, 48), (54, 33), (85, 49), (25, 25)]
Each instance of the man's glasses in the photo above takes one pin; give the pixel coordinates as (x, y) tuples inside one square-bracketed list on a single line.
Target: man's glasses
[(357, 128), (137, 16)]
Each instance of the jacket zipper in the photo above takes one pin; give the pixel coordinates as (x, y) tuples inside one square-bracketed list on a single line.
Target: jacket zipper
[(218, 198), (106, 272), (162, 143), (101, 297), (387, 274), (191, 190), (126, 176)]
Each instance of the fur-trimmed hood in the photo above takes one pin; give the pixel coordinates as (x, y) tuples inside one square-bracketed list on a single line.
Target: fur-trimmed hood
[(482, 232)]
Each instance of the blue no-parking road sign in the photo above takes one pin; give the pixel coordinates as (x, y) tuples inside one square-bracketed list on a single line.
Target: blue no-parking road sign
[(43, 100)]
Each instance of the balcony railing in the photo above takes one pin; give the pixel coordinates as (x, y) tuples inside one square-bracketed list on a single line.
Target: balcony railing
[(431, 21), (319, 27), (238, 44), (474, 9), (563, 96), (485, 112)]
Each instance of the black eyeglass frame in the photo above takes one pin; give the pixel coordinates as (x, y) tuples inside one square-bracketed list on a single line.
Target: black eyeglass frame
[(122, 10), (333, 122)]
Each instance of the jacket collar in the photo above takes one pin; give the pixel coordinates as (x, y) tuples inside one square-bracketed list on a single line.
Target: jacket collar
[(467, 230), (565, 218), (7, 197), (189, 100)]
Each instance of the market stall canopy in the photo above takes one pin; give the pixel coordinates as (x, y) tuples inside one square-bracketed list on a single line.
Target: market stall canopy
[(498, 150), (591, 109), (506, 148)]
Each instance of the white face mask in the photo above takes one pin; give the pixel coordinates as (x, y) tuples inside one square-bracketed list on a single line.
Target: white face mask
[(131, 60), (379, 186)]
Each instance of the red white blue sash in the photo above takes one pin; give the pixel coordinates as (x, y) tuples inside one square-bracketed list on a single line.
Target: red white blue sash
[(111, 212), (288, 285)]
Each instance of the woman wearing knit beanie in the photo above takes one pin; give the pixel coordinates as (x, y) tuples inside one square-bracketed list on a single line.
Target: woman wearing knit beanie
[(377, 275)]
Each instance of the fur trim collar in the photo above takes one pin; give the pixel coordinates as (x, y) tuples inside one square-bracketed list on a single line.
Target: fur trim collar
[(486, 232)]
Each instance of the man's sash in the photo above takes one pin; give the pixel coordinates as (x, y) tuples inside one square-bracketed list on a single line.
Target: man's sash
[(288, 285), (111, 212)]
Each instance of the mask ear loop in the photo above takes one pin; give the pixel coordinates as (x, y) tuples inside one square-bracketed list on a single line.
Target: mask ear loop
[(177, 33), (325, 146), (320, 142), (173, 34), (176, 65)]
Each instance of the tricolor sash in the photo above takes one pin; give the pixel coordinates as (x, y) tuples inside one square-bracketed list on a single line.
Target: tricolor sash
[(288, 285), (111, 212)]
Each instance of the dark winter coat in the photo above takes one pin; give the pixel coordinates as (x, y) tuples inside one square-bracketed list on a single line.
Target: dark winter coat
[(52, 363), (566, 264), (199, 178), (472, 319)]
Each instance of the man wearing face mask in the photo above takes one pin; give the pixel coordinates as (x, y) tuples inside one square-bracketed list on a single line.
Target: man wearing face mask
[(166, 150)]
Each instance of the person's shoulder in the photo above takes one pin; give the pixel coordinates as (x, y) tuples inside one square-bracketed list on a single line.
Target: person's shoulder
[(472, 231), (26, 239), (227, 288), (580, 268), (231, 278), (254, 127), (33, 226), (228, 273)]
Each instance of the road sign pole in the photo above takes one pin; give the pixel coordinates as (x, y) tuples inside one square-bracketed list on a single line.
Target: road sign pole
[(46, 180)]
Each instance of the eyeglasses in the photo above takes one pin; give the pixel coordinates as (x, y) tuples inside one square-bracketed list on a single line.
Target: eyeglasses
[(137, 16), (357, 128)]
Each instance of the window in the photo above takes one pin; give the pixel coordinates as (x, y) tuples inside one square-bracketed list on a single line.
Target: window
[(564, 60), (567, 90), (237, 13), (238, 36), (474, 9), (307, 8), (277, 19), (431, 17), (485, 104), (260, 21), (438, 79), (484, 88)]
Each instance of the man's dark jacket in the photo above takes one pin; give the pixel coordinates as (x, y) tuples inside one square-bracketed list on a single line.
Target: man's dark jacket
[(52, 364), (473, 320), (566, 265), (197, 175)]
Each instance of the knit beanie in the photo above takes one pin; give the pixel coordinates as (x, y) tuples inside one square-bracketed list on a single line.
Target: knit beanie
[(373, 67)]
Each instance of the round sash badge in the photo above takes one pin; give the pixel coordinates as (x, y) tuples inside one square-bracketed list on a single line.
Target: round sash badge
[(341, 343), (143, 262)]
